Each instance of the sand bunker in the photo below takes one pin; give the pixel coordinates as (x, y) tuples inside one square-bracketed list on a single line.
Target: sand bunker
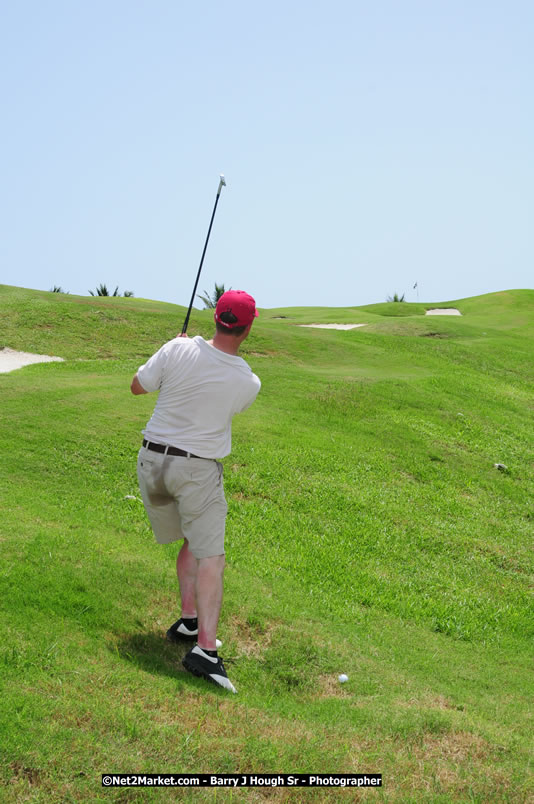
[(443, 311), (332, 326), (11, 359)]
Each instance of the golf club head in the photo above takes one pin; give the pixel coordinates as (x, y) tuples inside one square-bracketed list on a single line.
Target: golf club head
[(222, 182)]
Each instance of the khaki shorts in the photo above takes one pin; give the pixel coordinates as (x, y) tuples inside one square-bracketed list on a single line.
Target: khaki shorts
[(184, 499)]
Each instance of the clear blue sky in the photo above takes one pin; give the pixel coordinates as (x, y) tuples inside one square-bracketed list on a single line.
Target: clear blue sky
[(366, 146)]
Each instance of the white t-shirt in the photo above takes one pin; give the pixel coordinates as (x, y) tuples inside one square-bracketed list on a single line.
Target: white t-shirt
[(200, 390)]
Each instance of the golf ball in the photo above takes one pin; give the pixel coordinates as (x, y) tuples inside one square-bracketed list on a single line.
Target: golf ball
[(342, 678)]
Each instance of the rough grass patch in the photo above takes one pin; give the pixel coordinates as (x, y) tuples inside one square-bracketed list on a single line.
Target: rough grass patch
[(295, 660), (252, 636), (329, 686)]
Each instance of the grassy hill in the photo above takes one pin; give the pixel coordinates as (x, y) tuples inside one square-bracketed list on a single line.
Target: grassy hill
[(369, 533)]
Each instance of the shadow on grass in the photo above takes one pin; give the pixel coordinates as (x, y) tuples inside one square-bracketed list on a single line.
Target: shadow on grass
[(153, 653)]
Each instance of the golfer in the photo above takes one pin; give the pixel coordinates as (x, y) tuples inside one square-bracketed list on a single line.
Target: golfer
[(202, 385)]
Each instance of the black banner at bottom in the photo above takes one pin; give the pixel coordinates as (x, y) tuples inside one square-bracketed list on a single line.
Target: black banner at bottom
[(242, 780)]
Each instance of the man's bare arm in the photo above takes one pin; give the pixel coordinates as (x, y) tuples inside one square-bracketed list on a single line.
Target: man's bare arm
[(136, 387)]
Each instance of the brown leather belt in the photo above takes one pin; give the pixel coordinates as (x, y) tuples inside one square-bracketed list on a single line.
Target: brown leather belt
[(170, 450)]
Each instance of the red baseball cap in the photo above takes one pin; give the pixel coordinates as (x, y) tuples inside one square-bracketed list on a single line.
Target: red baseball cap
[(240, 304)]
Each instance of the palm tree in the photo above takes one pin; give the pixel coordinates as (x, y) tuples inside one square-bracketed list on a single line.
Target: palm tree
[(211, 301), (58, 289), (103, 291), (396, 298)]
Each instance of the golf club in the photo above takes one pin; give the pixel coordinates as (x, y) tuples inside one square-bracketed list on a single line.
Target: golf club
[(222, 184)]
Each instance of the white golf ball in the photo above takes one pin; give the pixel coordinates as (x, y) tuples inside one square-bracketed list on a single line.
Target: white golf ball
[(342, 678)]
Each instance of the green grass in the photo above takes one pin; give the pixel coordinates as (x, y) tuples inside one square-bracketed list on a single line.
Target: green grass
[(369, 533)]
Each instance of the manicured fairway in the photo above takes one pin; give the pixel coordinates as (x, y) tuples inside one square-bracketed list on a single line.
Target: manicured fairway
[(369, 533)]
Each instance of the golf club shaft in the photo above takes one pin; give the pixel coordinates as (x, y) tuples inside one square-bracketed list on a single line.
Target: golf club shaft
[(222, 184)]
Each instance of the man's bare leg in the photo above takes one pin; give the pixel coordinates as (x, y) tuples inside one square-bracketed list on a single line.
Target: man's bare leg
[(202, 660), (209, 592), (186, 570)]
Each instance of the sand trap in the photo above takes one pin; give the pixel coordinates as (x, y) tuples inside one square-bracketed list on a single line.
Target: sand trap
[(443, 311), (333, 326), (11, 359)]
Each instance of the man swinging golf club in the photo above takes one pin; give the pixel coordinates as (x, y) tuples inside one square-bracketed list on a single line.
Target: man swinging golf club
[(202, 385)]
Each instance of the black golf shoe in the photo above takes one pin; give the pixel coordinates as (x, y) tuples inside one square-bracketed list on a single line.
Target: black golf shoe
[(211, 668), (186, 631), (183, 630)]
